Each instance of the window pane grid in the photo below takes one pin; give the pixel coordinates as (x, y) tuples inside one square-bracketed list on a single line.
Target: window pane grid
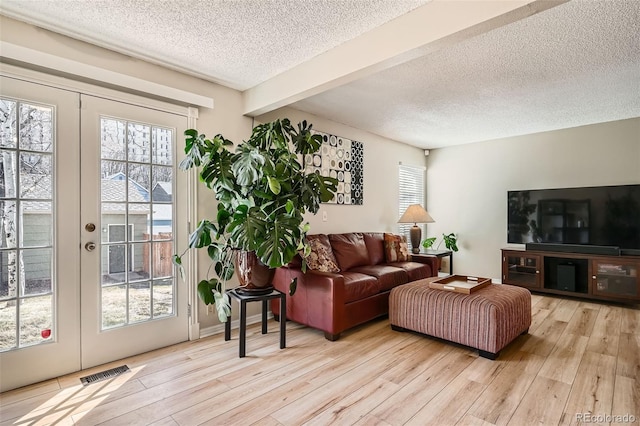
[(27, 283), (137, 188)]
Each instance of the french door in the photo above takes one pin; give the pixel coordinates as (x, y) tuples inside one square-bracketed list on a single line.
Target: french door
[(130, 207), (90, 211)]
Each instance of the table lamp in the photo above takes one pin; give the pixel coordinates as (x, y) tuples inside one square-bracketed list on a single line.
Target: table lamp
[(415, 214)]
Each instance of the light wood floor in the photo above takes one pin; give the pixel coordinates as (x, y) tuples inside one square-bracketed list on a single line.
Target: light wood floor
[(579, 357)]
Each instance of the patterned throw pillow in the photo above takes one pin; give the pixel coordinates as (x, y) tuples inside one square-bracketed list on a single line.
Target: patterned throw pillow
[(396, 249), (321, 257)]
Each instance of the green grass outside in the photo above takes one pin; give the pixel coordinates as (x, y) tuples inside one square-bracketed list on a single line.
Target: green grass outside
[(35, 312)]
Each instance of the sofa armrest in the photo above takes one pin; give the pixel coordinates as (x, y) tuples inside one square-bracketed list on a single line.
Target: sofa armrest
[(431, 260), (319, 299)]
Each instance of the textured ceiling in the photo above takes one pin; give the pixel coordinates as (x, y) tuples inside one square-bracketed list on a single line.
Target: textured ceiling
[(238, 43), (574, 64)]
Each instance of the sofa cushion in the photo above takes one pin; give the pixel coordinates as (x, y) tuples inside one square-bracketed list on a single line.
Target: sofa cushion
[(321, 257), (375, 246), (359, 286), (349, 250), (395, 248), (415, 270), (388, 276)]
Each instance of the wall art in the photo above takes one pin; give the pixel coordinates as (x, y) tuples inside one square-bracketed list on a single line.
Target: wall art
[(343, 159)]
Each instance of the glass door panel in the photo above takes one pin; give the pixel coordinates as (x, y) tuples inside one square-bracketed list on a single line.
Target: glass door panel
[(136, 257), (26, 230)]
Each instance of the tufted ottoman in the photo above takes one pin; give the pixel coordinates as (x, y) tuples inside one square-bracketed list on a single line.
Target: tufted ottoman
[(487, 319)]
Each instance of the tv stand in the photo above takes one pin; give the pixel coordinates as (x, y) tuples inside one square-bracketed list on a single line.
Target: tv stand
[(592, 276)]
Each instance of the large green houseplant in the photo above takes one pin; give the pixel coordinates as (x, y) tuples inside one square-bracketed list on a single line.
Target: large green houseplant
[(263, 192)]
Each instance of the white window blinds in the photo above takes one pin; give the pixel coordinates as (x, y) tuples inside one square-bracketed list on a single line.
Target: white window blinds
[(410, 191)]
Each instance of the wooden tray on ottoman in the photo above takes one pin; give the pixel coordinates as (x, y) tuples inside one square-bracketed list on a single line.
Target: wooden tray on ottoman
[(460, 283)]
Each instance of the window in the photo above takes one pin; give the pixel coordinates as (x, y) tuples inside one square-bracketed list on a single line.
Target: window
[(410, 191), (27, 278), (137, 188)]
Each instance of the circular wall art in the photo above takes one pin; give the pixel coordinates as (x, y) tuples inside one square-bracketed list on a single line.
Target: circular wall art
[(343, 159)]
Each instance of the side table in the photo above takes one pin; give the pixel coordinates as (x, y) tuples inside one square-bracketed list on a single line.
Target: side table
[(243, 299), (439, 254)]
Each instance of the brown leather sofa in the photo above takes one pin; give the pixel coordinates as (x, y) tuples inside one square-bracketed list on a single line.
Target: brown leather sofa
[(359, 292)]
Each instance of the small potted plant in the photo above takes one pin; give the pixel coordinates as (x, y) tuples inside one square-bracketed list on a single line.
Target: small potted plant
[(263, 192), (450, 242)]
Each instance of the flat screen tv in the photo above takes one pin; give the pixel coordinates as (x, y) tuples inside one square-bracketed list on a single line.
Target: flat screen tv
[(600, 216)]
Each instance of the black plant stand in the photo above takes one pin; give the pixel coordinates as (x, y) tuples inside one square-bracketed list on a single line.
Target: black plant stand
[(264, 298)]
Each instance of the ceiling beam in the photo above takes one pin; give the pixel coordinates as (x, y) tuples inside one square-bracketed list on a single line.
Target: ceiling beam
[(425, 29)]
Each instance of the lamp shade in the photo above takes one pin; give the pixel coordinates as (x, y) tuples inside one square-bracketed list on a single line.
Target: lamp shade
[(415, 213)]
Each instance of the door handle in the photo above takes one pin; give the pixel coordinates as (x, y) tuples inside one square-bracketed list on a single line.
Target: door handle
[(90, 246)]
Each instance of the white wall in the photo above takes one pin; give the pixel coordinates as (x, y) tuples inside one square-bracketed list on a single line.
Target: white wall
[(467, 185), (379, 211)]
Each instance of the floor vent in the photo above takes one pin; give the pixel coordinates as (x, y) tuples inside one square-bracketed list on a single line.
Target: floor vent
[(104, 375)]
